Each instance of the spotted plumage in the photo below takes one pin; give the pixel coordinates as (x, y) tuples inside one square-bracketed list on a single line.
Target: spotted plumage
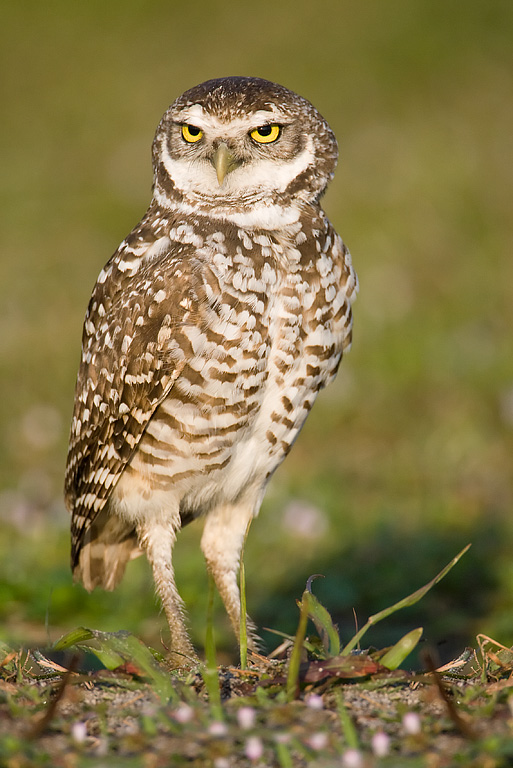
[(207, 338)]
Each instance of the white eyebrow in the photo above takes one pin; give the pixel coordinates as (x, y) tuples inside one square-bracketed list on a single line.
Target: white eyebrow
[(199, 117)]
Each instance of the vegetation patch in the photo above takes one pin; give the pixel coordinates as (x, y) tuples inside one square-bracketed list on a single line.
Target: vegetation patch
[(313, 702)]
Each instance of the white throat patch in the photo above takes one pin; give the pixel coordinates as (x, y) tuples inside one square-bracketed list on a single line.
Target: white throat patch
[(199, 176)]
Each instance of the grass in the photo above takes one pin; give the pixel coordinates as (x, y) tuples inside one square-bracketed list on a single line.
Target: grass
[(410, 450), (315, 708)]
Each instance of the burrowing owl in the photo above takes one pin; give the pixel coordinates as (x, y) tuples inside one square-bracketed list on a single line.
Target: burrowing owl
[(208, 336)]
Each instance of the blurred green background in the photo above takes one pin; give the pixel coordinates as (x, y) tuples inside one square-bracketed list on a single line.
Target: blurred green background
[(408, 457)]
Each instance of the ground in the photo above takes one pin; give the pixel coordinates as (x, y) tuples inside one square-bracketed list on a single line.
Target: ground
[(346, 710)]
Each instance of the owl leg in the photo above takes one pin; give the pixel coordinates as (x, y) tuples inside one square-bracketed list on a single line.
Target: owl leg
[(157, 540), (221, 544)]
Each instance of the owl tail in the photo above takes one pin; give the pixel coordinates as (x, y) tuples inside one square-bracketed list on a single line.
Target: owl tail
[(106, 548)]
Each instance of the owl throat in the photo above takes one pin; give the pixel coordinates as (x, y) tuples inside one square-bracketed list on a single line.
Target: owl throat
[(266, 196)]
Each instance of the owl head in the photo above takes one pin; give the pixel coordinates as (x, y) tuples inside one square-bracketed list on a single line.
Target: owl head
[(242, 148)]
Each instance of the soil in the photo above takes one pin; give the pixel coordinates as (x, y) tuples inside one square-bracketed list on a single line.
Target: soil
[(102, 718)]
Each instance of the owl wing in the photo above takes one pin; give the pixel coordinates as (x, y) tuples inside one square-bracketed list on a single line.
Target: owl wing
[(133, 350)]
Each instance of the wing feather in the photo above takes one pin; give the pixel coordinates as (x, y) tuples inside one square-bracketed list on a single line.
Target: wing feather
[(132, 353)]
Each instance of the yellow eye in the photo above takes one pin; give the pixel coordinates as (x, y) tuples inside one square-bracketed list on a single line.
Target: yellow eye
[(191, 134), (266, 134)]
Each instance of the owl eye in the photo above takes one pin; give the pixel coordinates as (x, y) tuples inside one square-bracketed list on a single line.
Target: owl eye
[(266, 134), (191, 133)]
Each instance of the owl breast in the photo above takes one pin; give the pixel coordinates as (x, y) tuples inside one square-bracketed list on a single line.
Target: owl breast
[(272, 334)]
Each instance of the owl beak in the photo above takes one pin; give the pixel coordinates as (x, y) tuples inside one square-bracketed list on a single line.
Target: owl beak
[(224, 161)]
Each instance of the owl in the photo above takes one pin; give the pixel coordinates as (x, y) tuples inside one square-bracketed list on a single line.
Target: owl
[(208, 336)]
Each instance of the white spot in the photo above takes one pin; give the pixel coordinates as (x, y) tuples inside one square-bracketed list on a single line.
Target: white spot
[(330, 293), (184, 713), (160, 296), (186, 234), (246, 717), (111, 452), (157, 247), (125, 346), (254, 748), (380, 743), (246, 240), (126, 266), (265, 216), (411, 723), (79, 732), (352, 758), (164, 335)]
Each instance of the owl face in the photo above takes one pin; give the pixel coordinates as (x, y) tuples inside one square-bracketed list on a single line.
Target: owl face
[(242, 146)]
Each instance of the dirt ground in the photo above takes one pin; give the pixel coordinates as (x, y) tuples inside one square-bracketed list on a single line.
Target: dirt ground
[(72, 719)]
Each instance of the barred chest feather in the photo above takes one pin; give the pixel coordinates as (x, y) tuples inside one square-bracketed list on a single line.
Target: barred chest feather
[(263, 333)]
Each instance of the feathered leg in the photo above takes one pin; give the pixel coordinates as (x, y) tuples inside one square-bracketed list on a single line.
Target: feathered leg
[(157, 540), (221, 543)]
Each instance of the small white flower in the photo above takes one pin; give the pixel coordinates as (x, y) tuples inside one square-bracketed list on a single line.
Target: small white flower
[(221, 762), (411, 723), (352, 758), (380, 744), (246, 717), (314, 701), (304, 520), (217, 728), (183, 714), (318, 741), (254, 748), (79, 732), (149, 709)]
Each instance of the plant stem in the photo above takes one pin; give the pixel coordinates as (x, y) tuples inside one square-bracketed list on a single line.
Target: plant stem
[(210, 673), (243, 631)]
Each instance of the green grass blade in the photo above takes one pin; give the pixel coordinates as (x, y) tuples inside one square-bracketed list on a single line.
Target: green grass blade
[(243, 636), (404, 603), (99, 643), (348, 727), (306, 644), (210, 673), (75, 637), (115, 649), (297, 650), (283, 755), (324, 625), (395, 656), (243, 631)]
